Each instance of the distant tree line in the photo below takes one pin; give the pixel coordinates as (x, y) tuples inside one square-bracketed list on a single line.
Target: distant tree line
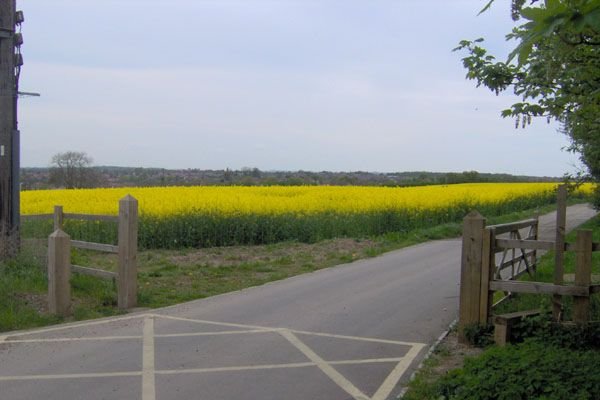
[(74, 170)]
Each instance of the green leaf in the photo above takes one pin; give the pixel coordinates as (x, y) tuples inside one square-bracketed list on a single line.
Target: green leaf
[(487, 7), (592, 19), (534, 13), (579, 23)]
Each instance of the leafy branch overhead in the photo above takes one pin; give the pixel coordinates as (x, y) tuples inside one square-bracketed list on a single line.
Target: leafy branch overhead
[(554, 68)]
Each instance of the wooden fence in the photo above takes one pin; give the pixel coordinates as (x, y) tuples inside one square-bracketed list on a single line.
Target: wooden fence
[(59, 255), (483, 273)]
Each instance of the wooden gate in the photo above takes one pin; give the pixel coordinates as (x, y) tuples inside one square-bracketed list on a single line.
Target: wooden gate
[(484, 272)]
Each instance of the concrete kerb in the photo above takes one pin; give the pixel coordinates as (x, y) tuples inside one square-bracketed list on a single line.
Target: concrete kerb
[(427, 356)]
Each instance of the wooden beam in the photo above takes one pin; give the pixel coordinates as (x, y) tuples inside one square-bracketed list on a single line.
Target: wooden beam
[(92, 217), (559, 269), (9, 136), (99, 273), (59, 216), (107, 248), (128, 231), (36, 217), (524, 244), (539, 288), (59, 273), (583, 275), (513, 226), (470, 275), (488, 268), (509, 263)]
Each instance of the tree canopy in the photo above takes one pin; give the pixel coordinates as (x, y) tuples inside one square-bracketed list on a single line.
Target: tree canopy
[(554, 68), (71, 170)]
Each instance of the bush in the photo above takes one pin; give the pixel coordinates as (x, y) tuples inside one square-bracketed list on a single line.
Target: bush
[(530, 370), (544, 329)]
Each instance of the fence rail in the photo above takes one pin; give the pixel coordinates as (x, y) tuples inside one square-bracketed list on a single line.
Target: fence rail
[(59, 255), (92, 217)]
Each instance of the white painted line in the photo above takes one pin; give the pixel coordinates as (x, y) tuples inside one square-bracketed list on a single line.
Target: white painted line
[(74, 339), (195, 370), (201, 321), (327, 369), (272, 329), (167, 335), (233, 369), (270, 366), (366, 361), (364, 339), (79, 325), (148, 385), (69, 376), (394, 377)]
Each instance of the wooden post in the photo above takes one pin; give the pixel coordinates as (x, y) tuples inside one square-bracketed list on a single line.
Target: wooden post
[(583, 274), (59, 273), (561, 216), (470, 275), (9, 134), (488, 268), (535, 236), (128, 232), (58, 217)]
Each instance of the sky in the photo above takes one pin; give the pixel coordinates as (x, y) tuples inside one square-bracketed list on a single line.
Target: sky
[(337, 85)]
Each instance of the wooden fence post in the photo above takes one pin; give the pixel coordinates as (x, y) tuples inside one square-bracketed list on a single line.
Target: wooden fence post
[(561, 216), (470, 274), (128, 232), (59, 273), (58, 217), (488, 268), (583, 274)]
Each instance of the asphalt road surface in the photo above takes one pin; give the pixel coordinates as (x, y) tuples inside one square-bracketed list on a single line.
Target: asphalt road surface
[(355, 331)]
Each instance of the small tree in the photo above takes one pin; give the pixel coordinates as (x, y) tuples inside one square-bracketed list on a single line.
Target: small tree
[(72, 170), (554, 68)]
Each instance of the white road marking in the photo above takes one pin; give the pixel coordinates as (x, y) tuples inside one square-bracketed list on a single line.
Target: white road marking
[(69, 376), (148, 372), (167, 335), (271, 329), (148, 385), (327, 369), (233, 369), (366, 361), (364, 339), (79, 325), (73, 339), (194, 370), (201, 321), (394, 377)]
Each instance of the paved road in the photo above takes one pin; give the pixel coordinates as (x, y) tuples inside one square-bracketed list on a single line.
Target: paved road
[(355, 331)]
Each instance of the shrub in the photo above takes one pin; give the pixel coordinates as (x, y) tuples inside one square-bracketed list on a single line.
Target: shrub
[(530, 370)]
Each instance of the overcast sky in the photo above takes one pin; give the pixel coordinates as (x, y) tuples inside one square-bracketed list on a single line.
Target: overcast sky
[(278, 85)]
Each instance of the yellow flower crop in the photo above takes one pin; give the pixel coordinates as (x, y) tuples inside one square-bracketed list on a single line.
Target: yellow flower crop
[(228, 200), (229, 215)]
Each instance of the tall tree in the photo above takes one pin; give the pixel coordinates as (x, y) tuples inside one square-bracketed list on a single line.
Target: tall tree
[(554, 68), (72, 170)]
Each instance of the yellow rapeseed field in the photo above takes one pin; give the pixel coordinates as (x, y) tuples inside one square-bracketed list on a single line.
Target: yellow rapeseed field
[(228, 200), (226, 215)]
